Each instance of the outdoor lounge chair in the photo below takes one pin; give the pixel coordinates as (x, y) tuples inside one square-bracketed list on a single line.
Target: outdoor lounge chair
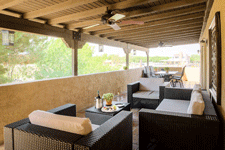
[(116, 133), (146, 93)]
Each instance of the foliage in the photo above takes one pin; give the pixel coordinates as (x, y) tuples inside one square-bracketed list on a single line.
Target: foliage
[(125, 67), (35, 57), (195, 58), (55, 61), (108, 96), (166, 68), (158, 58), (88, 64), (24, 52)]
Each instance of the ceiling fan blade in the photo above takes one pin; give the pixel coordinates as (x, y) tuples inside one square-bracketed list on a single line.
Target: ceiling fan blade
[(168, 46), (132, 22), (91, 26), (115, 26), (117, 17)]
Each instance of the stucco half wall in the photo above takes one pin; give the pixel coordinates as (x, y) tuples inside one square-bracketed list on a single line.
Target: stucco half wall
[(18, 100)]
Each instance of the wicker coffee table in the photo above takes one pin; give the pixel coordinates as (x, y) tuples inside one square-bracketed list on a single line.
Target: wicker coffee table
[(98, 117)]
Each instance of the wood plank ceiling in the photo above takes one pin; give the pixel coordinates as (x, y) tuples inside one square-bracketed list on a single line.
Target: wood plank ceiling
[(173, 22)]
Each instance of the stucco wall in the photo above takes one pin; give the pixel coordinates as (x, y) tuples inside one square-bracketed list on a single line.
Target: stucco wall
[(218, 5), (18, 100)]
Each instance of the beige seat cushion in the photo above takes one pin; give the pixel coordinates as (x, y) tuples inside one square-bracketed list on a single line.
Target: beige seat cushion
[(146, 94), (71, 124), (150, 84), (171, 105)]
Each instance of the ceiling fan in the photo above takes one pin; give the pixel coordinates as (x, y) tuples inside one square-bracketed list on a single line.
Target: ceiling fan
[(111, 18), (161, 44)]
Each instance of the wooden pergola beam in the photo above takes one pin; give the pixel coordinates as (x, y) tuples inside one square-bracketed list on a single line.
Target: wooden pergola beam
[(56, 8), (145, 19), (161, 32), (97, 11), (154, 17), (155, 23), (182, 42), (8, 3), (166, 37), (171, 42), (155, 28), (104, 41)]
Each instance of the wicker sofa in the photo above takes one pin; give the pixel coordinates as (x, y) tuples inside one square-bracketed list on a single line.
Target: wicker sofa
[(173, 130), (147, 98), (23, 135)]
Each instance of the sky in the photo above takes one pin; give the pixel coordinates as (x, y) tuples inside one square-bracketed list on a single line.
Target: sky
[(164, 51)]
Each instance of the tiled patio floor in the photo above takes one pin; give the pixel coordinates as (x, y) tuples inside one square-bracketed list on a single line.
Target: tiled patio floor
[(123, 98)]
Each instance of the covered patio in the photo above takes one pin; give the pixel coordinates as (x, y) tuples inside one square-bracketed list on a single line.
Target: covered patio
[(127, 24)]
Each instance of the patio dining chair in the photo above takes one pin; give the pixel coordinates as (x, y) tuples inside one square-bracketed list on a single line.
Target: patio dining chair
[(177, 79), (152, 72)]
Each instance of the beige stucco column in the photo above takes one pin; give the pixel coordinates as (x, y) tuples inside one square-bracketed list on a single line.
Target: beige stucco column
[(203, 66), (77, 45), (127, 52), (147, 53)]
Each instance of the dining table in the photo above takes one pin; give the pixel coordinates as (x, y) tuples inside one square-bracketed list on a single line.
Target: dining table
[(167, 76), (165, 73)]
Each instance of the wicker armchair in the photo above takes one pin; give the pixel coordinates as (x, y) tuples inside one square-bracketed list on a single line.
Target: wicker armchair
[(140, 102), (23, 135), (170, 130)]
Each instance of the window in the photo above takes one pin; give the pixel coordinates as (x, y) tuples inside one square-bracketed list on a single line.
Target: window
[(92, 59), (34, 57)]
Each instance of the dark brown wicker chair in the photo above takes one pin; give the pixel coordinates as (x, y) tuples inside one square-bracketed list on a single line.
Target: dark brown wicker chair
[(143, 102), (169, 130), (116, 133)]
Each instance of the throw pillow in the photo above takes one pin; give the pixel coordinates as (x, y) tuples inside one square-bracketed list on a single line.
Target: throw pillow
[(197, 87), (197, 104), (71, 124), (150, 84)]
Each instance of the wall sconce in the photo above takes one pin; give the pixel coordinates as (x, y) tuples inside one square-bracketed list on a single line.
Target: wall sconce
[(8, 38), (101, 48), (203, 41)]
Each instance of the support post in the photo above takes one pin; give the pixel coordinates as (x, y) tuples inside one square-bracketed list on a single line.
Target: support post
[(74, 45), (147, 53), (203, 77), (75, 58), (127, 52)]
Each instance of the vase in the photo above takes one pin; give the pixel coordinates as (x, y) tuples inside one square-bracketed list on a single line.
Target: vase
[(108, 102)]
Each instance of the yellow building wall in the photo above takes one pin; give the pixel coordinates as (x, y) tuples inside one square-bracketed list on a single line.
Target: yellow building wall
[(19, 100), (218, 5)]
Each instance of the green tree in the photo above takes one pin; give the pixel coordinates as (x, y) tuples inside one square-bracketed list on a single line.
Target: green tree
[(55, 61), (15, 58), (87, 63), (195, 58)]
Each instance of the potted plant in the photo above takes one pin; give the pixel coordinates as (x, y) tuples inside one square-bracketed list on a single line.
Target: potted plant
[(108, 97), (125, 67), (167, 69)]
